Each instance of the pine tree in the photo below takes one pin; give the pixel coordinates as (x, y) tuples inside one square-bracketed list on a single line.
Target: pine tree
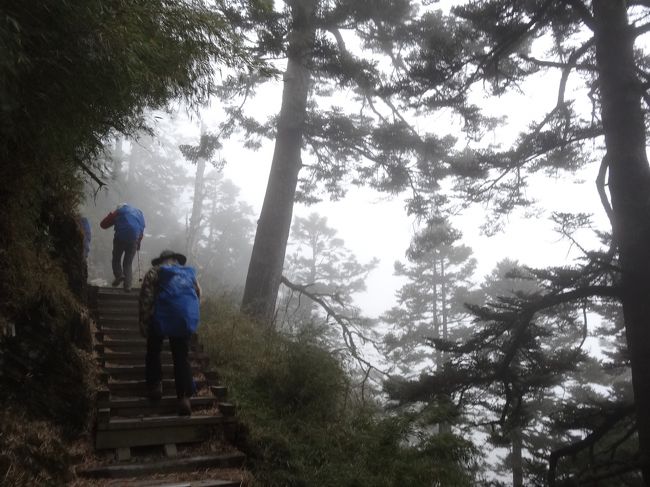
[(321, 143), (432, 303), (321, 268), (596, 40), (225, 238)]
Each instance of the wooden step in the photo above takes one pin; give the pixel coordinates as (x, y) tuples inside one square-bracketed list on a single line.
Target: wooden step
[(132, 358), (109, 312), (187, 483), (125, 346), (110, 292), (158, 430), (127, 300), (124, 342), (117, 334), (134, 407), (117, 321), (136, 372), (230, 460), (138, 388), (136, 355)]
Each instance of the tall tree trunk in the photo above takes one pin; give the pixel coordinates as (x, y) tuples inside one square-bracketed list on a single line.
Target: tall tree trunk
[(194, 226), (116, 159), (629, 186), (516, 459), (267, 259), (434, 310), (443, 301), (445, 426)]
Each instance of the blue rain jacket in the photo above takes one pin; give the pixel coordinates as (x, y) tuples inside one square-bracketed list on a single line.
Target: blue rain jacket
[(129, 224), (176, 308)]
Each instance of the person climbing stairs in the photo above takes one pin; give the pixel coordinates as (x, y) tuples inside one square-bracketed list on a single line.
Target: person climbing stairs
[(147, 437)]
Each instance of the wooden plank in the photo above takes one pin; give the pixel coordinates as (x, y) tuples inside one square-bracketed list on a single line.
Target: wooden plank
[(123, 454), (120, 333), (170, 450), (117, 292), (132, 346), (103, 395), (138, 388), (103, 417), (135, 372), (230, 460), (122, 321), (159, 422), (118, 307), (168, 405), (220, 392), (132, 357), (227, 409), (189, 483), (212, 377), (178, 433), (136, 355)]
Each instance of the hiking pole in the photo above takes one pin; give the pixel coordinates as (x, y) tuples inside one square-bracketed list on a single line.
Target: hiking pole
[(139, 275)]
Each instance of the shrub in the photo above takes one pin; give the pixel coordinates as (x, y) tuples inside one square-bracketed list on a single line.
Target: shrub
[(301, 426)]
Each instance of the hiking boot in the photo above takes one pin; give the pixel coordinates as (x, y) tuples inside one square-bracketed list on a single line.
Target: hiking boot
[(116, 282), (155, 392), (184, 408)]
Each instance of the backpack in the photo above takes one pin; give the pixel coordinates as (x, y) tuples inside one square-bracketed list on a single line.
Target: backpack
[(176, 307), (129, 223)]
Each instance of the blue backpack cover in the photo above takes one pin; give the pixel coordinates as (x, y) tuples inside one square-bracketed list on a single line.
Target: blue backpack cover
[(129, 223), (176, 309)]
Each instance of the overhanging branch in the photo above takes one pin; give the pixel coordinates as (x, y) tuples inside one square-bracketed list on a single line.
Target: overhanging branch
[(342, 321), (90, 173)]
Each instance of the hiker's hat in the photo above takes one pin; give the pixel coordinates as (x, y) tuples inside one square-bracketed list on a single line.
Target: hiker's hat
[(169, 254)]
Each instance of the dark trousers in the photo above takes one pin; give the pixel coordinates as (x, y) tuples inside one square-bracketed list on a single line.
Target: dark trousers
[(122, 266), (180, 355)]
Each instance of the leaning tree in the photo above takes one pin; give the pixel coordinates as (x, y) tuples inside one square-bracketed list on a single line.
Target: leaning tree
[(340, 120)]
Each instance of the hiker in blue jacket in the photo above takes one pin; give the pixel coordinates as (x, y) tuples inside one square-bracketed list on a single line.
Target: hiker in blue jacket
[(169, 307), (129, 230)]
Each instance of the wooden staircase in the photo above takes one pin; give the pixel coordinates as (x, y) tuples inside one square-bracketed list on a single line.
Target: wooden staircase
[(127, 422)]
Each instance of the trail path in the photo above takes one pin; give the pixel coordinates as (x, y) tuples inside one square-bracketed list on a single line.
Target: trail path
[(140, 442)]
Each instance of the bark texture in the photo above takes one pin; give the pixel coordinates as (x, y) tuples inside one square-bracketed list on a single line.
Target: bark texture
[(267, 259), (629, 185), (194, 227)]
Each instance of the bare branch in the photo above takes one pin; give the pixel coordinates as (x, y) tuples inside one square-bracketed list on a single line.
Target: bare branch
[(600, 184), (640, 30), (571, 63), (342, 321), (89, 171)]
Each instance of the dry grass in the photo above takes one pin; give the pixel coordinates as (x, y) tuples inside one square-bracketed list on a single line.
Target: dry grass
[(242, 476)]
